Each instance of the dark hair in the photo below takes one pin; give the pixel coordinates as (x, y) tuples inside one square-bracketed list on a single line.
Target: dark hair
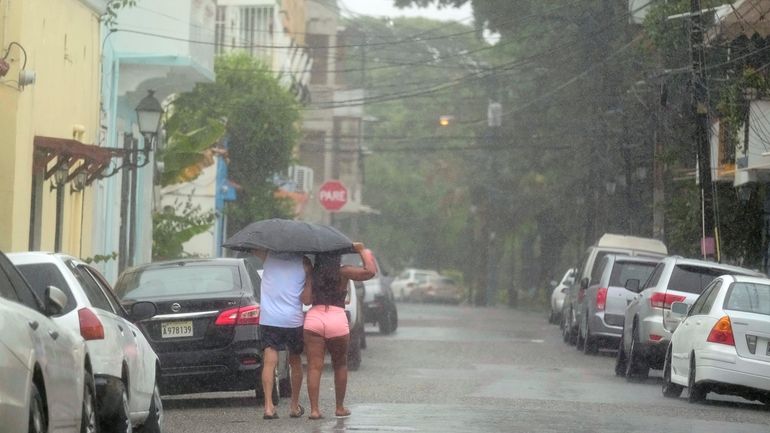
[(326, 273)]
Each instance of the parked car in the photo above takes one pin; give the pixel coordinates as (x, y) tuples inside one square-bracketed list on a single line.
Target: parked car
[(588, 273), (605, 302), (124, 365), (47, 378), (647, 326), (437, 289), (206, 331), (722, 344), (378, 302), (408, 280), (559, 293)]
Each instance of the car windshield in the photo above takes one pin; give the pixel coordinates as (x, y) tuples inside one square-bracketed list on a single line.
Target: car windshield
[(749, 297), (624, 271), (693, 279), (178, 280)]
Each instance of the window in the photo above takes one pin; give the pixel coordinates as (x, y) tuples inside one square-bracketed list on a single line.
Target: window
[(178, 280), (599, 270), (91, 288), (712, 296), (692, 279), (624, 271), (106, 290), (748, 297), (595, 274), (6, 288), (698, 307), (655, 277), (257, 30), (42, 275), (319, 52), (219, 26)]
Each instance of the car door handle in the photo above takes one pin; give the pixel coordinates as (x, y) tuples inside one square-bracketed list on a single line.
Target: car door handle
[(33, 324), (53, 334)]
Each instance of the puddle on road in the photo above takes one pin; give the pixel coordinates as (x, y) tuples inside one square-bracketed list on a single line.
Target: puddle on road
[(426, 333)]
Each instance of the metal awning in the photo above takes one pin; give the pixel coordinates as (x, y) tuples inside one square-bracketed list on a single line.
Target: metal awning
[(94, 159)]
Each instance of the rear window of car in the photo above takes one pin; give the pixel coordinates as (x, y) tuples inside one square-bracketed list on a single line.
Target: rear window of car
[(624, 271), (748, 297), (178, 280), (693, 279), (41, 275)]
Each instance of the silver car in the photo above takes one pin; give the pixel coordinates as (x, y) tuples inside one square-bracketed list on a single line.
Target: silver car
[(559, 293), (648, 326), (605, 301)]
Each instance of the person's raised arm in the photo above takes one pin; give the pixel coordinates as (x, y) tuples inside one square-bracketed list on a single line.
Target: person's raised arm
[(260, 254), (361, 273), (306, 297)]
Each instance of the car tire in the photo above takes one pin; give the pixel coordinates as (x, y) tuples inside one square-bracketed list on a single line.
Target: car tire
[(88, 419), (669, 388), (697, 392), (354, 350), (154, 421), (580, 341), (38, 423), (636, 366), (590, 343), (120, 421), (564, 332), (620, 359), (386, 321)]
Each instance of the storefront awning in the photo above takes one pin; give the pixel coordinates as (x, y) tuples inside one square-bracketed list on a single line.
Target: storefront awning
[(93, 159)]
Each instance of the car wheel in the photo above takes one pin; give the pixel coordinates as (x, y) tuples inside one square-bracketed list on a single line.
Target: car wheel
[(564, 330), (386, 322), (580, 341), (88, 422), (154, 421), (620, 359), (354, 350), (636, 366), (590, 345), (670, 389), (697, 392), (119, 422), (37, 419)]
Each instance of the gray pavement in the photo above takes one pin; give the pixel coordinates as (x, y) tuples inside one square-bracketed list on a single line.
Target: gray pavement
[(465, 369)]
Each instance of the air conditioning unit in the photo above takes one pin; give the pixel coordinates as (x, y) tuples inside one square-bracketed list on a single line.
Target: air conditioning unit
[(302, 177)]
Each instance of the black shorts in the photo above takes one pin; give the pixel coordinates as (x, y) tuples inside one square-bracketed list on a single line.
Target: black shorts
[(282, 338)]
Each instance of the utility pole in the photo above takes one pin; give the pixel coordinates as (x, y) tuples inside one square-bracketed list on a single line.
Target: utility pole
[(124, 199), (700, 106)]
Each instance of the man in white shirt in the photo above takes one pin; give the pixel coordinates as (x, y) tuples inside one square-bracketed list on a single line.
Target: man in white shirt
[(284, 277)]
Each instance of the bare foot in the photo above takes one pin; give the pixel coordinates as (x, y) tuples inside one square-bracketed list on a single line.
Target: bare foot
[(342, 413), (315, 415)]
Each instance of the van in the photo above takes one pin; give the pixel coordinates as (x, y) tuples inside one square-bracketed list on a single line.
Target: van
[(588, 273)]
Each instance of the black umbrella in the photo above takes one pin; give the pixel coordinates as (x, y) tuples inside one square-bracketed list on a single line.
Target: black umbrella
[(289, 236)]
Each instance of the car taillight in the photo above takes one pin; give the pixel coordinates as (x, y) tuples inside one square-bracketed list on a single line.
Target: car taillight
[(248, 315), (664, 300), (90, 326), (601, 298), (722, 332)]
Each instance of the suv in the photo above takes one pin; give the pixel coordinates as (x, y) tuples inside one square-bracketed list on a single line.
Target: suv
[(408, 280), (588, 273), (605, 302), (206, 332), (378, 302), (647, 324)]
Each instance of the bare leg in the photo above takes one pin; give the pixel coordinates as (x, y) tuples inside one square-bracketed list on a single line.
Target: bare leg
[(295, 362), (338, 348), (315, 347), (269, 363)]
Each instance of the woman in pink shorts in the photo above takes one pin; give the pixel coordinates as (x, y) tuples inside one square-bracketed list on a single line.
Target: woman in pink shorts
[(326, 325)]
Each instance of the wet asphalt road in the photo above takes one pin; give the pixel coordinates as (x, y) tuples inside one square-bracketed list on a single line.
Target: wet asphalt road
[(463, 369)]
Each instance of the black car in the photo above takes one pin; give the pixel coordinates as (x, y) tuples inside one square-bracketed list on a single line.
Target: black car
[(206, 332)]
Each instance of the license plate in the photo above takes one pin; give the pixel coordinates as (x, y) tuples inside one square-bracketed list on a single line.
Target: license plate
[(176, 329)]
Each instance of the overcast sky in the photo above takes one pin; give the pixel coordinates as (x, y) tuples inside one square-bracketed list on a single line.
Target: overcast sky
[(386, 8)]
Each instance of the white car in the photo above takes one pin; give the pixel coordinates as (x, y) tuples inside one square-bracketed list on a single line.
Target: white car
[(722, 343), (408, 280), (47, 384), (124, 364), (559, 294)]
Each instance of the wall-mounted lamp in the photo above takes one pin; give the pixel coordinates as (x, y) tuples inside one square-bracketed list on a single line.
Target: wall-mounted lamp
[(148, 115), (26, 77), (60, 176), (79, 181)]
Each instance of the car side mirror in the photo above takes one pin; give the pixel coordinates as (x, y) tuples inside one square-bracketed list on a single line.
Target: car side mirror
[(632, 285), (55, 301), (142, 311), (679, 310), (584, 283)]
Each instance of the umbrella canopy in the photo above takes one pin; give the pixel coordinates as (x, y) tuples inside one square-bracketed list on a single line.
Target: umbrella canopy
[(289, 236)]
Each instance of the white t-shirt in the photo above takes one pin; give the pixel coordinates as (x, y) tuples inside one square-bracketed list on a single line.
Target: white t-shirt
[(283, 278)]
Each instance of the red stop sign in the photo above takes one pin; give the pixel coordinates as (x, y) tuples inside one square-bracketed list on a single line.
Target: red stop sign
[(333, 195)]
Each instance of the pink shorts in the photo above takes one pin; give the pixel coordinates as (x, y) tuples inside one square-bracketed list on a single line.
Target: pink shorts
[(327, 321)]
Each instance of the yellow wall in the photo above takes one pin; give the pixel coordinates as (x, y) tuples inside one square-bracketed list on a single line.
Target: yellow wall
[(294, 18), (62, 40)]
